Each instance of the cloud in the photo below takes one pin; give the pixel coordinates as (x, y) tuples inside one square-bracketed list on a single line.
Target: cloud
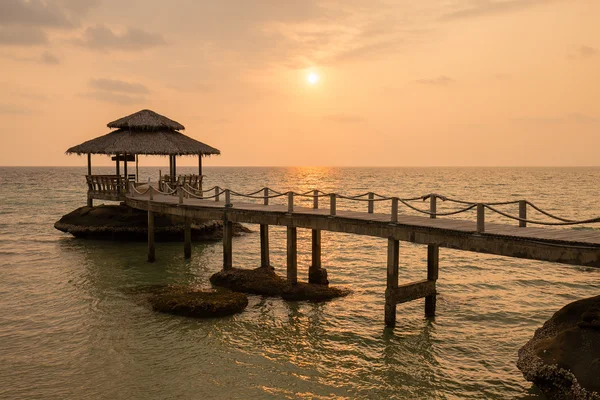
[(18, 36), (565, 119), (12, 109), (102, 38), (49, 58), (441, 80), (584, 52), (344, 118), (116, 98), (33, 13), (118, 86), (191, 88), (483, 8)]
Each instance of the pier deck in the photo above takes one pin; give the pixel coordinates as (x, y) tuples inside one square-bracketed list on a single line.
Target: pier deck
[(569, 246)]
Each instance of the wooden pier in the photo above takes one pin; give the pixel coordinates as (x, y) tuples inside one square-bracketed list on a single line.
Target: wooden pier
[(568, 246)]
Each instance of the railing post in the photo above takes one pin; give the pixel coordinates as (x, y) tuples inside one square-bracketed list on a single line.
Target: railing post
[(290, 202), (522, 213), (394, 210), (332, 204), (266, 196), (432, 206), (315, 199), (227, 198), (371, 206), (180, 194), (151, 193), (480, 218), (217, 194), (131, 189)]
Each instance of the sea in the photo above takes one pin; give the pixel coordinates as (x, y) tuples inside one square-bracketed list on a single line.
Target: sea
[(73, 326)]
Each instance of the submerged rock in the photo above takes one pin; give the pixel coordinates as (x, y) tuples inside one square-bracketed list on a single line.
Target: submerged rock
[(120, 222), (264, 281), (189, 302), (563, 357)]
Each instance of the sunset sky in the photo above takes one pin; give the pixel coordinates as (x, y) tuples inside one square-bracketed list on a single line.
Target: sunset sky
[(399, 83)]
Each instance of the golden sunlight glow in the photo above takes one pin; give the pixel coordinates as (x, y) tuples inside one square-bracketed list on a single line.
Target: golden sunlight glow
[(312, 78)]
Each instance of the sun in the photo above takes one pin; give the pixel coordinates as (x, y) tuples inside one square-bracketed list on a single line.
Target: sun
[(312, 78)]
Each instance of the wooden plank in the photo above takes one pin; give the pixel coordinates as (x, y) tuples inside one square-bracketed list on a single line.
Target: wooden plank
[(413, 291)]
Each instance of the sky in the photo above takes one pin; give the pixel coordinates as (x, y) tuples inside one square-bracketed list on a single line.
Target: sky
[(400, 83)]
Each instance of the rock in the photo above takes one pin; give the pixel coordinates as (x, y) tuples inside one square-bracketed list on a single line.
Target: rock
[(120, 222), (189, 302), (312, 292), (563, 357), (264, 281)]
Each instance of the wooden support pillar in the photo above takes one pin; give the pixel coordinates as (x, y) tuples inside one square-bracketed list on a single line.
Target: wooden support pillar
[(393, 261), (118, 165), (125, 166), (316, 255), (433, 257), (151, 250), (264, 246), (200, 164), (137, 172), (187, 238), (174, 168), (90, 201), (227, 244), (292, 255)]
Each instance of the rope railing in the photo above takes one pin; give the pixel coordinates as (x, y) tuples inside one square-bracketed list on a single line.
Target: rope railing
[(372, 198)]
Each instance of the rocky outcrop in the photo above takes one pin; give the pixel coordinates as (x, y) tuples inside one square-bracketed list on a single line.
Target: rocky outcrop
[(563, 357), (120, 222), (264, 281), (190, 302)]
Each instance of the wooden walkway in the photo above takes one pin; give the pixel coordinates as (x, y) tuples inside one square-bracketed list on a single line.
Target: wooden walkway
[(564, 245)]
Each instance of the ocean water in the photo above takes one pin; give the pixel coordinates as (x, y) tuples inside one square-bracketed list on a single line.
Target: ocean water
[(72, 327)]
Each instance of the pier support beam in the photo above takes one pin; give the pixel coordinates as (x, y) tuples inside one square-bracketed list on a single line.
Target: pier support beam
[(227, 244), (433, 259), (265, 261), (393, 261), (151, 249), (187, 238), (292, 255), (316, 273)]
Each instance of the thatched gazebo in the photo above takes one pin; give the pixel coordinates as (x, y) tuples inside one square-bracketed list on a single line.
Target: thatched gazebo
[(144, 132)]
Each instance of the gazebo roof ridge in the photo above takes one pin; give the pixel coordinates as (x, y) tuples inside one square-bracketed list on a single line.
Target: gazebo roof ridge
[(146, 120)]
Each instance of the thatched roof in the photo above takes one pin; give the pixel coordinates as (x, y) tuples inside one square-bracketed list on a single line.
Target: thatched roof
[(146, 120), (157, 142)]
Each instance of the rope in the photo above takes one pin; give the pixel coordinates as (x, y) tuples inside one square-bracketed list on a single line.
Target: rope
[(587, 221), (547, 213), (377, 198)]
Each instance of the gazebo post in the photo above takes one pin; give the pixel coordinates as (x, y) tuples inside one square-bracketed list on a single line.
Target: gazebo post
[(118, 164), (125, 170), (174, 168), (200, 165), (137, 173), (90, 201)]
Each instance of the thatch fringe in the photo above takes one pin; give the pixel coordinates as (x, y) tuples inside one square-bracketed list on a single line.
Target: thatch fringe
[(159, 142), (146, 120)]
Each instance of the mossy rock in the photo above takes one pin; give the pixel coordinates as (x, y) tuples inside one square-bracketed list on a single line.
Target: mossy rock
[(563, 357), (197, 303), (123, 223), (264, 281), (312, 292)]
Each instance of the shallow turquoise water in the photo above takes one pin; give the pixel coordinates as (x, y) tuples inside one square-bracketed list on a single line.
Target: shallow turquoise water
[(71, 326)]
